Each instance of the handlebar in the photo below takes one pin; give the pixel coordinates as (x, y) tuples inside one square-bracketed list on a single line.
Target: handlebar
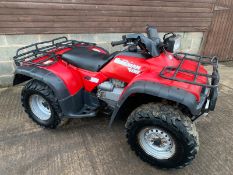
[(115, 43), (147, 44)]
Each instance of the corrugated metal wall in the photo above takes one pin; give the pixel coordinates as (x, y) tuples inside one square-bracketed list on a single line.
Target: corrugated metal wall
[(98, 16), (220, 36)]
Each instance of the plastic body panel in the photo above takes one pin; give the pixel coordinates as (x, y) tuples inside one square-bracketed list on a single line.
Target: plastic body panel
[(73, 77), (149, 69), (124, 67)]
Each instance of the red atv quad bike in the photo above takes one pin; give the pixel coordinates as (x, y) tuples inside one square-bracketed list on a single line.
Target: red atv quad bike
[(160, 93)]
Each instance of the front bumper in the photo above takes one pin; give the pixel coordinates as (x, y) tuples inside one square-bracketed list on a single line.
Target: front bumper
[(209, 92), (214, 91), (209, 95)]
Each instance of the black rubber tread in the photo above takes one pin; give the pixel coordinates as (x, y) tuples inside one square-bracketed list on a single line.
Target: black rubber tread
[(38, 87), (173, 120)]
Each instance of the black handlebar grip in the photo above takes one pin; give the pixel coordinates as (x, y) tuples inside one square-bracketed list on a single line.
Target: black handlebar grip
[(152, 33), (115, 43)]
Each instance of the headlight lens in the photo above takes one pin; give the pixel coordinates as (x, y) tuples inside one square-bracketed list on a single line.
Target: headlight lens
[(172, 43), (177, 43)]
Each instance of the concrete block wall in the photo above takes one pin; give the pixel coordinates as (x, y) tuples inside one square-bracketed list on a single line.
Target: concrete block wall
[(191, 42)]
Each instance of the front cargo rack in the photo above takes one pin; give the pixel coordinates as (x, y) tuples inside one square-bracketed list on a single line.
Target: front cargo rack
[(46, 49), (213, 78)]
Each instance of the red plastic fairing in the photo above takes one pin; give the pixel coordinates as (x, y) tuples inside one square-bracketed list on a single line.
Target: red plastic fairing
[(70, 77), (73, 77), (127, 69), (149, 69), (91, 79), (168, 60)]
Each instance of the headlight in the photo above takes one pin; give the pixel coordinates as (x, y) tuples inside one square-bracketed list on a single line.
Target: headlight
[(177, 43), (172, 43)]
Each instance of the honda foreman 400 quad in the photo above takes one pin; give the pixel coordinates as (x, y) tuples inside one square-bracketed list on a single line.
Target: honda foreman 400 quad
[(158, 92)]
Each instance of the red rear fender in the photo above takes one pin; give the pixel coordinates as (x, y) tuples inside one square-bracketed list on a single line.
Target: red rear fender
[(71, 77)]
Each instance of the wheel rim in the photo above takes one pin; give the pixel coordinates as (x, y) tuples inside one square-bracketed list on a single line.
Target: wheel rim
[(40, 107), (157, 142)]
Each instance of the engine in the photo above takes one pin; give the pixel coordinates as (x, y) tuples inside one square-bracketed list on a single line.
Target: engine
[(110, 91)]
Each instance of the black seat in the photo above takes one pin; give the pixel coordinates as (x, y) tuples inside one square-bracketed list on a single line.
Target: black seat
[(85, 58)]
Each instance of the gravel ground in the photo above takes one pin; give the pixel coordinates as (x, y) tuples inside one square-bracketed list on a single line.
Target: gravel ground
[(88, 146)]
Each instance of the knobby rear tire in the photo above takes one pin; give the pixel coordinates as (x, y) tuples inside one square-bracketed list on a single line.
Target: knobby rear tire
[(39, 88)]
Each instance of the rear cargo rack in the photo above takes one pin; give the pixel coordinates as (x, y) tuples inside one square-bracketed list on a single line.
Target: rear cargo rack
[(47, 49), (213, 78)]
